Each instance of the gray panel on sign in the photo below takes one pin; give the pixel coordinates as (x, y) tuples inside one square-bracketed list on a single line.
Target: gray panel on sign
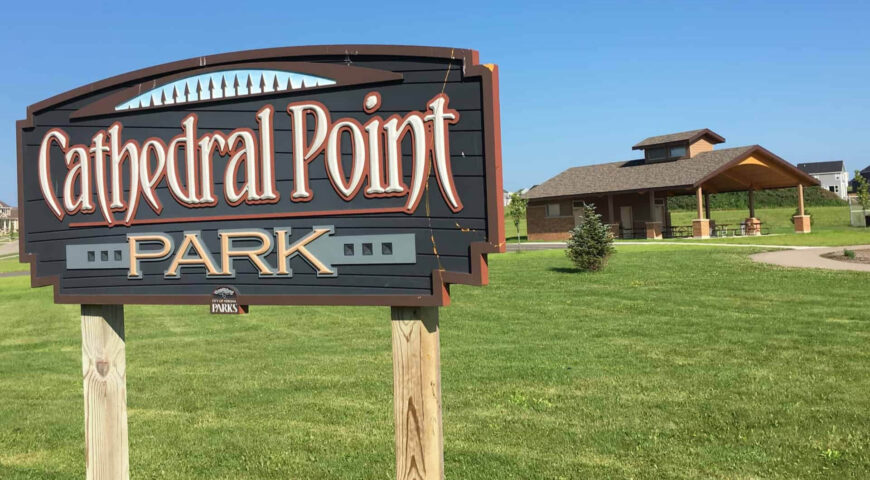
[(97, 256)]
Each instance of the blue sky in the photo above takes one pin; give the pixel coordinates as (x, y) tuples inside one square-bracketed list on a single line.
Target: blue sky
[(580, 81)]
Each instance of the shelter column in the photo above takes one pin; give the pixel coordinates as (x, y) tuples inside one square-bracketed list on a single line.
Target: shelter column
[(653, 227), (801, 220), (800, 189), (752, 203), (611, 215), (707, 206), (700, 225), (752, 224)]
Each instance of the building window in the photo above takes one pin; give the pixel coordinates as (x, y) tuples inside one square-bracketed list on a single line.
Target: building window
[(553, 210), (834, 188), (657, 153), (679, 151), (666, 153)]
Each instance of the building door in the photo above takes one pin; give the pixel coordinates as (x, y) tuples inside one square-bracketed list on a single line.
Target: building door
[(626, 221)]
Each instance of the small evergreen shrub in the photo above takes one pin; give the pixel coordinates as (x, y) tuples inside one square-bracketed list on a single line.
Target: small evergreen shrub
[(591, 242), (850, 254)]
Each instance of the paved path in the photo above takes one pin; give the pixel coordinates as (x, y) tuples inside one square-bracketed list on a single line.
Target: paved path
[(8, 248), (13, 274), (812, 258)]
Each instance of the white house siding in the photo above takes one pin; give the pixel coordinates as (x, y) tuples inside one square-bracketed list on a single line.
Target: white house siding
[(837, 182)]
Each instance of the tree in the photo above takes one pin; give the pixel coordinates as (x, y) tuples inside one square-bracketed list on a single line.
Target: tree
[(591, 242), (862, 189), (517, 211)]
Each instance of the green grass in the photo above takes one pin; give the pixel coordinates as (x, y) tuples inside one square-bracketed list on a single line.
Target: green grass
[(672, 363), (830, 227), (510, 230), (778, 220), (10, 264)]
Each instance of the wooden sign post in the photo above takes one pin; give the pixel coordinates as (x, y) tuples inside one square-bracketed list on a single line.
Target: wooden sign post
[(104, 368), (323, 175), (417, 393)]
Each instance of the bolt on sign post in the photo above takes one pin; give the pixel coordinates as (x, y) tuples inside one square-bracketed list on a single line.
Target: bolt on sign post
[(325, 175)]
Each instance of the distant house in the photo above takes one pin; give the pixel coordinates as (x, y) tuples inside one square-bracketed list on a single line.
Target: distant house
[(8, 218), (631, 196), (832, 176), (864, 173)]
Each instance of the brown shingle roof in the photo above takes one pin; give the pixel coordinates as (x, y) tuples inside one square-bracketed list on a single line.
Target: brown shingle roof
[(689, 136), (636, 175)]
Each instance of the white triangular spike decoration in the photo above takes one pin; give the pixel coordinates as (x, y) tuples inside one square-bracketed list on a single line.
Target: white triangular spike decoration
[(295, 80), (282, 80), (167, 92), (270, 82), (197, 87), (255, 83)]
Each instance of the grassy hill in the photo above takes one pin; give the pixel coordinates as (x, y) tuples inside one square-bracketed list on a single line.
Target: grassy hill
[(785, 197)]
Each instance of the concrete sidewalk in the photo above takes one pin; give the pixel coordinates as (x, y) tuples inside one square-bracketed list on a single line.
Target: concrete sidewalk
[(812, 258), (8, 248)]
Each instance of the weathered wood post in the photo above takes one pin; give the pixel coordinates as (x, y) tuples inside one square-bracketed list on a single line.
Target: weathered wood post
[(417, 393), (104, 369)]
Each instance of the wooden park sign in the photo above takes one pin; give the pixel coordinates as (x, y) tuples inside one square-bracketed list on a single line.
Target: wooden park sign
[(327, 175)]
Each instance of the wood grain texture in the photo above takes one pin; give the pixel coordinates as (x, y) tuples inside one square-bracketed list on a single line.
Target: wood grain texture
[(417, 393), (105, 390)]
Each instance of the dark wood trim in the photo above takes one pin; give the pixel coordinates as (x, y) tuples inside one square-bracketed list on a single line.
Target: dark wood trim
[(479, 268)]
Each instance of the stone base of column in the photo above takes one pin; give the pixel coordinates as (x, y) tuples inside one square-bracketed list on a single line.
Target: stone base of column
[(701, 228), (614, 230), (654, 230), (753, 226), (802, 224)]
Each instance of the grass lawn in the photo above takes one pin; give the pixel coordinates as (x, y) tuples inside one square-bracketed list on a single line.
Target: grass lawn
[(10, 264), (673, 363), (510, 230)]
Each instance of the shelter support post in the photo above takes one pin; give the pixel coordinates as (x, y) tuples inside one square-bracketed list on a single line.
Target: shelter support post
[(752, 224), (611, 217), (751, 203), (701, 225), (417, 393), (610, 214), (653, 226), (105, 392), (707, 206), (802, 222)]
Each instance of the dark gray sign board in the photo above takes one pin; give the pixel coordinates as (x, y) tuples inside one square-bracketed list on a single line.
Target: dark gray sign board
[(359, 175)]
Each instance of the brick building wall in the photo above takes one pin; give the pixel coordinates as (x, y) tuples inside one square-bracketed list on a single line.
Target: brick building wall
[(542, 228)]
